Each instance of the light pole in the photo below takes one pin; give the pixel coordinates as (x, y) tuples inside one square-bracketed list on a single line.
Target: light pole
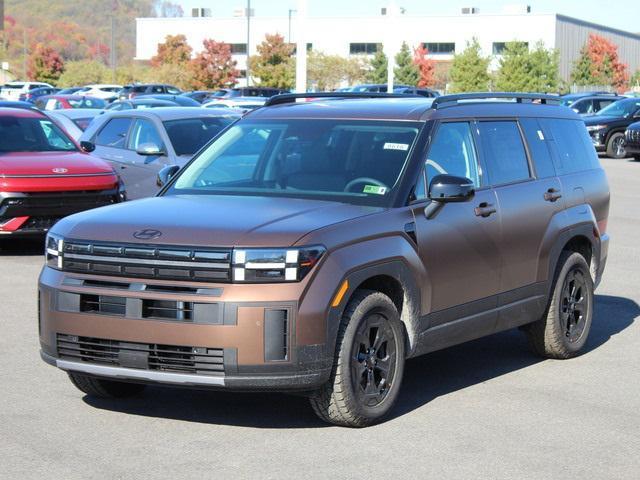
[(248, 41), (301, 47), (291, 10)]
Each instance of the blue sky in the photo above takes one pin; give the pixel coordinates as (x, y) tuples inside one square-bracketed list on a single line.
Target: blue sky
[(622, 14)]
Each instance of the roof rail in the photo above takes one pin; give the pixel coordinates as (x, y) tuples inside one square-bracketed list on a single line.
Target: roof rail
[(292, 97), (450, 100)]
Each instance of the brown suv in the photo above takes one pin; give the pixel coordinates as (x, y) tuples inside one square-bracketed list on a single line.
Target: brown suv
[(315, 246)]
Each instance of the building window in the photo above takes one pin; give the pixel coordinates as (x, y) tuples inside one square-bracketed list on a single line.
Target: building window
[(238, 48), (498, 47), (363, 48), (243, 74), (294, 48), (440, 48)]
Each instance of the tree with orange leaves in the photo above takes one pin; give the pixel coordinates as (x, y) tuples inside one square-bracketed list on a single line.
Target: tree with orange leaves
[(426, 66), (599, 64)]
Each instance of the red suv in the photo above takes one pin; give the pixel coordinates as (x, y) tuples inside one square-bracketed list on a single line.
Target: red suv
[(44, 175)]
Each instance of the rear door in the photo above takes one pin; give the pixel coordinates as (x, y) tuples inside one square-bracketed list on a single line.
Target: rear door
[(529, 195), (143, 169)]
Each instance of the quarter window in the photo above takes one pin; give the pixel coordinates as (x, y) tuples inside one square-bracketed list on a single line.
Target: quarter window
[(452, 152), (114, 133), (504, 153), (571, 144)]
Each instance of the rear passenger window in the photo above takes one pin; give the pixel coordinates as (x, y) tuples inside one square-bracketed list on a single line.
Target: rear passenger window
[(571, 145), (504, 153), (538, 148), (452, 152), (114, 133)]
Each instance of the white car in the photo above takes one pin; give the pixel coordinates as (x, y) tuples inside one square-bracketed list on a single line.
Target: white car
[(13, 90), (103, 91), (244, 104)]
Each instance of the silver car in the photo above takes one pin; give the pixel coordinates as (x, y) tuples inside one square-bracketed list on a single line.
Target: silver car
[(139, 143), (74, 120)]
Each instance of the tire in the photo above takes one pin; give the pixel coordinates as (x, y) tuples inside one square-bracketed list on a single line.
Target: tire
[(636, 158), (563, 330), (100, 388), (615, 146), (370, 336)]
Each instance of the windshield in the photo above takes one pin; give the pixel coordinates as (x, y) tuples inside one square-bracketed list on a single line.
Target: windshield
[(32, 135), (621, 108), (191, 134), (351, 161)]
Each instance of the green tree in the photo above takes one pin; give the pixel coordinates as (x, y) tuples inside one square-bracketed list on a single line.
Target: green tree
[(45, 65), (379, 64), (83, 72), (515, 68), (406, 71), (469, 71), (213, 67), (545, 69), (327, 72), (174, 51), (635, 79), (274, 65), (134, 72)]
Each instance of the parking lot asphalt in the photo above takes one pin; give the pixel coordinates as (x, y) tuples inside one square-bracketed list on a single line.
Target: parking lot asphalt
[(486, 409)]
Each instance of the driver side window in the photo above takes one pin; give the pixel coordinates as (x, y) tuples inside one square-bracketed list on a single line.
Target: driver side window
[(452, 152)]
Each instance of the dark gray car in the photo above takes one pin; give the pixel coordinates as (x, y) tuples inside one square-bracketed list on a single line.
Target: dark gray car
[(139, 143)]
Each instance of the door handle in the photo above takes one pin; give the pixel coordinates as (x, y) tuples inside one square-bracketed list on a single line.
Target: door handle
[(484, 210), (552, 195)]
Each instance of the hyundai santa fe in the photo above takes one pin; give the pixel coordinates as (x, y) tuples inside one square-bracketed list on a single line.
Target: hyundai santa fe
[(314, 247)]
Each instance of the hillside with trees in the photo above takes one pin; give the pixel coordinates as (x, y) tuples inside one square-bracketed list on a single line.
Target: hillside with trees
[(76, 31)]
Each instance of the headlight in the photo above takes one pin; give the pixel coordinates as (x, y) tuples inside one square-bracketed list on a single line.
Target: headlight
[(253, 265), (594, 128), (54, 245)]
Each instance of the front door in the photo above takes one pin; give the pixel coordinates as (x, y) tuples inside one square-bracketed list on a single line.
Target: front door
[(460, 245)]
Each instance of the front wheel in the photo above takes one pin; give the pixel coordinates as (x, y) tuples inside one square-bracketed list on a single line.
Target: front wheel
[(615, 146), (368, 365)]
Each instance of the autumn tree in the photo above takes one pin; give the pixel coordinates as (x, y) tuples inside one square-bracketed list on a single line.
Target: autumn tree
[(327, 72), (45, 65), (379, 64), (174, 51), (406, 72), (426, 67), (599, 64), (213, 67), (274, 65), (83, 72), (469, 71)]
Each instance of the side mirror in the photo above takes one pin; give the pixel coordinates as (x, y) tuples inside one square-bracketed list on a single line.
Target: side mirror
[(87, 146), (149, 149), (449, 189), (166, 174)]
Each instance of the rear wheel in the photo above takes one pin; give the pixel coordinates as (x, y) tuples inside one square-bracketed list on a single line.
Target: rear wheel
[(564, 329), (97, 387), (368, 365), (615, 146)]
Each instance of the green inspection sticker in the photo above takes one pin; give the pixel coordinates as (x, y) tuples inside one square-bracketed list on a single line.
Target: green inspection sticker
[(375, 189)]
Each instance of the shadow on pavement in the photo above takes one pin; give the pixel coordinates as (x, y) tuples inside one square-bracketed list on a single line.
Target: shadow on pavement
[(426, 378), (21, 246)]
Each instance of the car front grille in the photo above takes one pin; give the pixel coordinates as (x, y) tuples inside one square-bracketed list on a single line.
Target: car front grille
[(56, 204), (189, 264), (633, 136), (145, 356)]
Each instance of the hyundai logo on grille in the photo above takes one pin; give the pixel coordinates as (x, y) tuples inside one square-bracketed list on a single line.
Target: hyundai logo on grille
[(147, 234), (59, 170)]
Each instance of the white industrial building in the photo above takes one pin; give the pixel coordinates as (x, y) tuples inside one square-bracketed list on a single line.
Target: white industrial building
[(443, 35)]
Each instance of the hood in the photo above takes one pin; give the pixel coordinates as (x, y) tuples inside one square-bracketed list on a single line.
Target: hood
[(43, 163), (215, 221), (600, 119)]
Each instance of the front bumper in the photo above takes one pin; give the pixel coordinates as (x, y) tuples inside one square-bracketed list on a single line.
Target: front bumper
[(228, 336), (599, 140)]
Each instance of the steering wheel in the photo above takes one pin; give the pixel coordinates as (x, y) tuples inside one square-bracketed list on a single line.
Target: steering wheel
[(367, 180)]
